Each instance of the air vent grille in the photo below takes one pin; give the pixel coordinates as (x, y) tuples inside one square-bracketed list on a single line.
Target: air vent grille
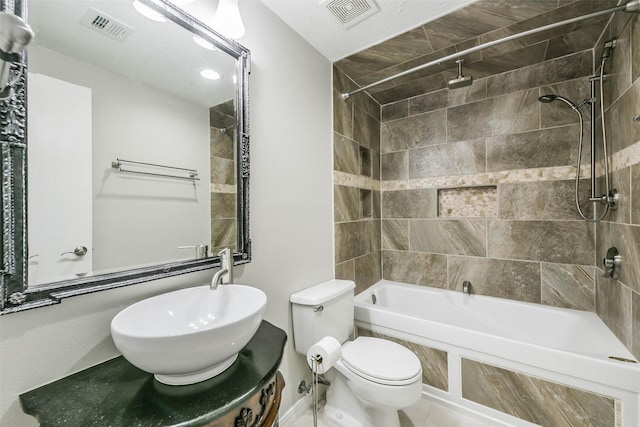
[(106, 25), (350, 12)]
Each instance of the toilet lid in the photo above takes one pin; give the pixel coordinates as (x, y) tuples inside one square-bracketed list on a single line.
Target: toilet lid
[(380, 359)]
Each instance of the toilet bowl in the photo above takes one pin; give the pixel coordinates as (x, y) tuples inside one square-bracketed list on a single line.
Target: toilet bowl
[(373, 379), (370, 378)]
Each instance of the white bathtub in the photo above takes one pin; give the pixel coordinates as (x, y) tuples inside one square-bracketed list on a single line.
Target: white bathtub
[(565, 346)]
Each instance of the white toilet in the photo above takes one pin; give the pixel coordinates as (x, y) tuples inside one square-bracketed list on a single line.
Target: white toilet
[(373, 378)]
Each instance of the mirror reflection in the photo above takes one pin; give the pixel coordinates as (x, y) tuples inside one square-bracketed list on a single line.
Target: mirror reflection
[(131, 141)]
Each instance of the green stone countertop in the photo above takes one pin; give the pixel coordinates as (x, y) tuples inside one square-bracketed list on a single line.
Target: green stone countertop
[(116, 393)]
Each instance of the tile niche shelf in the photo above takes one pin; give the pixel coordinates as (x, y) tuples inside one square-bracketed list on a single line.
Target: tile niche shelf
[(468, 202)]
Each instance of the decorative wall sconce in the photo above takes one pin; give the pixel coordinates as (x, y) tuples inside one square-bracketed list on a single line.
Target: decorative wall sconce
[(227, 20), (15, 35)]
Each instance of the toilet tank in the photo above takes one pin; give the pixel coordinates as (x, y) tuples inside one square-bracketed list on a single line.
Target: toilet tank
[(322, 310)]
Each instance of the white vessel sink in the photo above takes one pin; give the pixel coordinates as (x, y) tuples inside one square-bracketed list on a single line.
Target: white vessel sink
[(187, 336)]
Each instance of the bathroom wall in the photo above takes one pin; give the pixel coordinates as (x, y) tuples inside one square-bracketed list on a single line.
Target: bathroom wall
[(618, 301), (356, 176), (121, 202), (291, 227), (477, 183)]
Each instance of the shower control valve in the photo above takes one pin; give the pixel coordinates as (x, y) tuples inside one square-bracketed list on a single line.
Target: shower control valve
[(612, 263)]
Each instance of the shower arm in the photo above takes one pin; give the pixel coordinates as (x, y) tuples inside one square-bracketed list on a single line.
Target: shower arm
[(631, 6)]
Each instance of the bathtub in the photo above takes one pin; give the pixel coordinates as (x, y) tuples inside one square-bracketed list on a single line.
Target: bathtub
[(562, 346)]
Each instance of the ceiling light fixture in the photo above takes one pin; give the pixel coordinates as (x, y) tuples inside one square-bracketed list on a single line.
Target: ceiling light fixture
[(210, 74), (227, 20), (147, 12)]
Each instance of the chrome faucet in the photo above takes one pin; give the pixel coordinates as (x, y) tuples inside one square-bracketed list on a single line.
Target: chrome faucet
[(225, 274), (466, 287)]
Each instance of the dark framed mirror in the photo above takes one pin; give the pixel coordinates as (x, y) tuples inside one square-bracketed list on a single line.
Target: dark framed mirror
[(124, 150)]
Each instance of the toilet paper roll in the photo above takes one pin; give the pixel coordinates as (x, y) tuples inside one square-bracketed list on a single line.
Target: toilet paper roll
[(324, 354)]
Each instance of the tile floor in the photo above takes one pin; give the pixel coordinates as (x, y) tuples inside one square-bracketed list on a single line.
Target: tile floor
[(423, 414)]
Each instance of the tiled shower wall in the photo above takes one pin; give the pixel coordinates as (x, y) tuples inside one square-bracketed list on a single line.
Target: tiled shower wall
[(509, 161), (224, 230), (618, 301), (356, 163)]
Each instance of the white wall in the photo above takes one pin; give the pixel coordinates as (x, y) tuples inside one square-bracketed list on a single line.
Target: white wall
[(291, 224), (134, 121)]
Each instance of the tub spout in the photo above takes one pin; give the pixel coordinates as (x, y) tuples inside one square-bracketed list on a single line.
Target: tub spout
[(466, 287)]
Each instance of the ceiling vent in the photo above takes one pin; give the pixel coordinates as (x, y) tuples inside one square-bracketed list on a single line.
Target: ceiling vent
[(350, 12), (106, 25)]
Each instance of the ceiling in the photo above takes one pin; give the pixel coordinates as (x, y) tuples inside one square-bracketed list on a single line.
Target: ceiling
[(313, 21), (407, 34), (172, 61)]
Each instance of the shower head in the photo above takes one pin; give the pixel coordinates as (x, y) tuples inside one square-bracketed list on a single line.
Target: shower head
[(460, 81), (551, 97)]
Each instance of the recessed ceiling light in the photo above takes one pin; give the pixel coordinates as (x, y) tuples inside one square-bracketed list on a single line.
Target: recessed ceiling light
[(147, 12), (210, 74), (203, 43)]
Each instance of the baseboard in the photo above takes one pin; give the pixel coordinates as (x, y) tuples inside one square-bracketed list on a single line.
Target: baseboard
[(296, 411)]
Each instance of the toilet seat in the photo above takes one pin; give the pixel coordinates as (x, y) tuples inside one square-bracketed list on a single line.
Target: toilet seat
[(381, 361)]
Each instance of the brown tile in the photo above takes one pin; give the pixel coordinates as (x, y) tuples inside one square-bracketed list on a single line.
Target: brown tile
[(535, 149), (223, 233), (346, 203), (366, 129), (223, 205), (454, 237), (476, 92), (564, 242), (402, 48), (549, 72), (568, 286), (479, 18), (635, 325), (341, 82), (543, 200), (581, 38), (516, 112), (346, 270), (222, 171), (620, 181), (416, 87), (533, 399), (414, 267), (346, 155), (618, 67), (415, 131), (613, 305), (394, 166), (515, 280), (368, 270), (352, 240), (410, 204), (626, 238), (342, 116), (499, 65), (376, 202), (621, 130), (222, 143), (635, 48), (635, 194), (395, 110), (558, 113), (429, 102), (458, 158), (395, 234)]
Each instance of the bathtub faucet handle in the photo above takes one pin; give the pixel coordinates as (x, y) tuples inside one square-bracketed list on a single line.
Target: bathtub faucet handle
[(466, 287)]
